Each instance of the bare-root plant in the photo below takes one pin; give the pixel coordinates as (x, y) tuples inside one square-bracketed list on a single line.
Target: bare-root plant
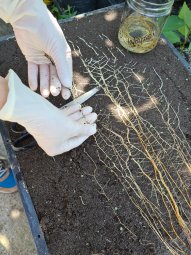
[(148, 155)]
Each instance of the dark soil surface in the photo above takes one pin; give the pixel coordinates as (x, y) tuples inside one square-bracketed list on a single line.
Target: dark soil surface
[(83, 204)]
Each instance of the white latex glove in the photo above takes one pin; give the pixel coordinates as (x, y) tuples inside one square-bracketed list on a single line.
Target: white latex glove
[(38, 36), (56, 131)]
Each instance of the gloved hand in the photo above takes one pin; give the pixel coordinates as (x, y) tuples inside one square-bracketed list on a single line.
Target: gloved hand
[(55, 130), (41, 40)]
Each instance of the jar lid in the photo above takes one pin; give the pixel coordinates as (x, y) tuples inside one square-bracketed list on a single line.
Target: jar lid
[(152, 8)]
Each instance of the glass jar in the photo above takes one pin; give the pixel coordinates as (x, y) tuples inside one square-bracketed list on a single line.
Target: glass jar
[(142, 24)]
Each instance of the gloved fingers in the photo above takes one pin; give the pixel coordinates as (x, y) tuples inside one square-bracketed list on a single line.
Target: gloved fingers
[(44, 80), (62, 57), (86, 110), (80, 114), (72, 143), (33, 75), (69, 110), (88, 119), (2, 80), (86, 129), (49, 81), (55, 84), (66, 93)]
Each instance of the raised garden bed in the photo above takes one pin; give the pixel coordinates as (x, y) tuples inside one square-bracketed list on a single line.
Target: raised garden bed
[(126, 190)]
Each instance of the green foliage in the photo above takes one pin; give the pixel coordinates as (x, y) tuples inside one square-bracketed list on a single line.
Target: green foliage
[(67, 13), (178, 28)]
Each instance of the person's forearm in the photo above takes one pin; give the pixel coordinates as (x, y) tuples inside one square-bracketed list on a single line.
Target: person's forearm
[(3, 92)]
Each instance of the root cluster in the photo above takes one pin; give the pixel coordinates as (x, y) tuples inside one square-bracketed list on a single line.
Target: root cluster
[(149, 156)]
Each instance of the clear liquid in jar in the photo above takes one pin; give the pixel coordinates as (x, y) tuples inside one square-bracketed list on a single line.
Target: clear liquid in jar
[(138, 33)]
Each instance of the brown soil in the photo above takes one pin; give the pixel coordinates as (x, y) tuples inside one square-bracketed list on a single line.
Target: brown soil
[(81, 202)]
